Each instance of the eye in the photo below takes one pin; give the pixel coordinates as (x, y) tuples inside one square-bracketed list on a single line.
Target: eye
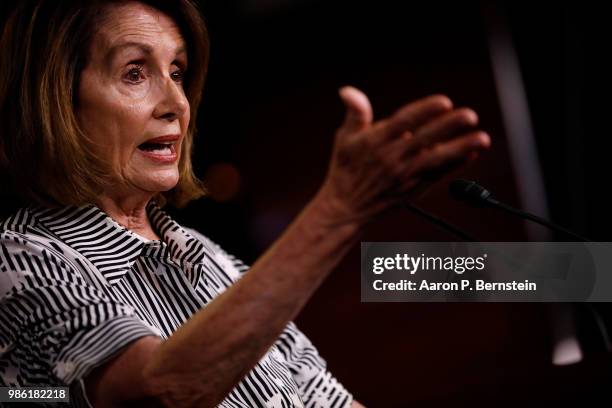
[(178, 75), (135, 74)]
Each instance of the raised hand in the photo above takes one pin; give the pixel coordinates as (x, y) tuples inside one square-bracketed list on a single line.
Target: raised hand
[(376, 165)]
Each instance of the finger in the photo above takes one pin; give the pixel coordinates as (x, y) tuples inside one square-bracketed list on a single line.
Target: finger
[(415, 114), (395, 149), (449, 153), (358, 109), (447, 126)]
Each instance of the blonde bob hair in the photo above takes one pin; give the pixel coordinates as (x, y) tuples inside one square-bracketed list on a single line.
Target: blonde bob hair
[(45, 158)]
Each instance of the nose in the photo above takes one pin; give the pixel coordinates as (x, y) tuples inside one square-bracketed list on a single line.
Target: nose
[(172, 103)]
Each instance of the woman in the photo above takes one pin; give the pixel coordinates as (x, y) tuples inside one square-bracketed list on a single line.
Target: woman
[(99, 289)]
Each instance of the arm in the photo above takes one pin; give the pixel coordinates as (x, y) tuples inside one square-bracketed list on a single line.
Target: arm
[(203, 360), (373, 167)]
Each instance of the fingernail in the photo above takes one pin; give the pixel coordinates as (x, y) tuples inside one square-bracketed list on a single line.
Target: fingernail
[(472, 117), (483, 140)]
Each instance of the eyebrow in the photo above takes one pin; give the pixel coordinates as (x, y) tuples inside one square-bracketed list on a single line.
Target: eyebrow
[(147, 49)]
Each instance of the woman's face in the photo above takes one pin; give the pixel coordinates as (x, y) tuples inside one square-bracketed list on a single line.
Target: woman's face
[(131, 99)]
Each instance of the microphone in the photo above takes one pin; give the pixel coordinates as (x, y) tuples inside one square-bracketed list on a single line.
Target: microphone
[(446, 226), (478, 196), (470, 191)]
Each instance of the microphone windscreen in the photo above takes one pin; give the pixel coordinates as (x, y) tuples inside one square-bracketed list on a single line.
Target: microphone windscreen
[(470, 191)]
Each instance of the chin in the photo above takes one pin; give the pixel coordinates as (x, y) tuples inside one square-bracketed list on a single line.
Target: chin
[(161, 182), (161, 187)]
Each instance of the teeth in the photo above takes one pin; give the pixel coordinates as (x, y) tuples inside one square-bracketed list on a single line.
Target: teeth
[(157, 147), (163, 150)]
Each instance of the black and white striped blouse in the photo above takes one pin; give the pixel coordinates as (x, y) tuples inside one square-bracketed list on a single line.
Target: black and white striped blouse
[(76, 287)]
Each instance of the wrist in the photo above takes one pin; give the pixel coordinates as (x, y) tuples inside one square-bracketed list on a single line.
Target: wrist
[(335, 213)]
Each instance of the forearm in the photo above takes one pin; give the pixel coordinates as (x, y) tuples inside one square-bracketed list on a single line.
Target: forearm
[(206, 357)]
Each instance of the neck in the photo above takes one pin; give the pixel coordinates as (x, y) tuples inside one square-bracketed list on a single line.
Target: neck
[(129, 212)]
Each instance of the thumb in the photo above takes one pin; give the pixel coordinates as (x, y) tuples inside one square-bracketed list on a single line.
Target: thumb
[(358, 109)]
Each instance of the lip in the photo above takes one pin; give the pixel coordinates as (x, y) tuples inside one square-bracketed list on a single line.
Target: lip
[(163, 139), (162, 158)]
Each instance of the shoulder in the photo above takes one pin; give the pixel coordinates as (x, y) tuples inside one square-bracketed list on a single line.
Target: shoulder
[(30, 255), (22, 232), (229, 263), (208, 243)]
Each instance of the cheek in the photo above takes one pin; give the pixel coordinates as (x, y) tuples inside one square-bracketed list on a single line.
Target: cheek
[(184, 127), (115, 127), (185, 120), (187, 115), (109, 109), (132, 119)]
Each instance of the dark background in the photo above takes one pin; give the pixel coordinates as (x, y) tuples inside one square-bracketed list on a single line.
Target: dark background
[(265, 131)]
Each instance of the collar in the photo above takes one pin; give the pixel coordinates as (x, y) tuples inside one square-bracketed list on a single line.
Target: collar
[(112, 248)]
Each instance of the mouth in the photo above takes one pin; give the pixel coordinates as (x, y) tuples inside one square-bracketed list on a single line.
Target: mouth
[(160, 149)]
